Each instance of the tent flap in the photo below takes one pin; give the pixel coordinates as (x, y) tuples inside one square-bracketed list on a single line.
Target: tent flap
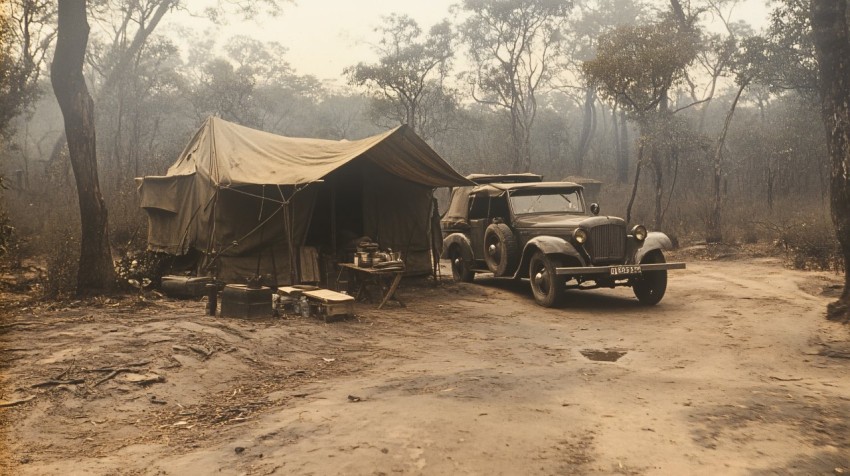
[(162, 193)]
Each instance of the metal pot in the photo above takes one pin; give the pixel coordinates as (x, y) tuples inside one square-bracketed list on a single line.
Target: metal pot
[(365, 259)]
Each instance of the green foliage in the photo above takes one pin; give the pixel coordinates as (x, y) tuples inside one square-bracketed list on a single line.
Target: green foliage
[(140, 270), (514, 46), (221, 10), (592, 19), (783, 58), (225, 91), (19, 63), (636, 66), (407, 81)]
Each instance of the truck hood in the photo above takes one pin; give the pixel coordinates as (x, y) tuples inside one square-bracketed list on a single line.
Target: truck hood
[(567, 222)]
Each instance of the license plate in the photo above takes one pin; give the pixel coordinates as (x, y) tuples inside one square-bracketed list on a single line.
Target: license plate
[(621, 270)]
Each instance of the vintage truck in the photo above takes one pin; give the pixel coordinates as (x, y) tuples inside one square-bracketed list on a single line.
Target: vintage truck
[(519, 227)]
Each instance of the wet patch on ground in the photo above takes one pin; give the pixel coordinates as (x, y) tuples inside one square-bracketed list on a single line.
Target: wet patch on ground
[(605, 355), (822, 421)]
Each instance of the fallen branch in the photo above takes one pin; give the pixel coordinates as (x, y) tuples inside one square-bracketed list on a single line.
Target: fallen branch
[(11, 403), (112, 369), (16, 324), (149, 380), (111, 375), (53, 382), (201, 350), (63, 374)]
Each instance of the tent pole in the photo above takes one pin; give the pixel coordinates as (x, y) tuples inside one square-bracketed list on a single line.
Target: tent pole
[(262, 225), (435, 256), (293, 267), (208, 262), (333, 220)]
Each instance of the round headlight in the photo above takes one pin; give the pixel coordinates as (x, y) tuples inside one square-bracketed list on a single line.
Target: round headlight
[(639, 232), (580, 235)]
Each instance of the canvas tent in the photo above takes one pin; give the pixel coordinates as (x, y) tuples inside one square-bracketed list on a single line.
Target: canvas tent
[(249, 201)]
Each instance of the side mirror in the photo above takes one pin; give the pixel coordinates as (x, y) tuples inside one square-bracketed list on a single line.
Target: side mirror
[(594, 208)]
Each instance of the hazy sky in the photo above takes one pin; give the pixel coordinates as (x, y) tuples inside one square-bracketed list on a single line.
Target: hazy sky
[(325, 36)]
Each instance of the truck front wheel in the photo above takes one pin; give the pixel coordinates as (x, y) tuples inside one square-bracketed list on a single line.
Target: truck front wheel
[(547, 286), (650, 287)]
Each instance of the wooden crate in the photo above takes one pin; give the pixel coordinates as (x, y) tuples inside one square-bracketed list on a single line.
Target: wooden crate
[(331, 305), (238, 300)]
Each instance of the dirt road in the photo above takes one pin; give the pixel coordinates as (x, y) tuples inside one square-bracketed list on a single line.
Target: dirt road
[(735, 372)]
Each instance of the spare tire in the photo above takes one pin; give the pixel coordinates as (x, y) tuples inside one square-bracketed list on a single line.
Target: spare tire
[(501, 252)]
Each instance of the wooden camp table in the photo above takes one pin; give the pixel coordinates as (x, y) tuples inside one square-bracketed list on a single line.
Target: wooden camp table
[(376, 276)]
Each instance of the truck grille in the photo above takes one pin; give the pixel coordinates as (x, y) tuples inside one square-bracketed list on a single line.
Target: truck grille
[(607, 243)]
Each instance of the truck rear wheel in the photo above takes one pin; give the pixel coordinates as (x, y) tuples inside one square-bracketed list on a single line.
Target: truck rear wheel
[(501, 252), (460, 267)]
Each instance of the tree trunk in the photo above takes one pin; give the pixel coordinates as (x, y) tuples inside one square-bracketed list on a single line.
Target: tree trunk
[(587, 122), (655, 157), (623, 150), (658, 168), (715, 230), (635, 186), (521, 140), (96, 273), (770, 176), (119, 72), (832, 43), (615, 135)]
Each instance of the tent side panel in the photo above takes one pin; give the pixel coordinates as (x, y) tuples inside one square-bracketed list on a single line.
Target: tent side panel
[(396, 214), (251, 231), (274, 266)]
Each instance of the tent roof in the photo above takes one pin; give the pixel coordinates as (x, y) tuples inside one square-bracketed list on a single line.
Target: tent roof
[(233, 155)]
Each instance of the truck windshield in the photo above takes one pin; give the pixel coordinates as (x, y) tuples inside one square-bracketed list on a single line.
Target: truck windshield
[(539, 201)]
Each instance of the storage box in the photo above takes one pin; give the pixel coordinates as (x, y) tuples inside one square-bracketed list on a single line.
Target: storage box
[(330, 305), (238, 300), (186, 287)]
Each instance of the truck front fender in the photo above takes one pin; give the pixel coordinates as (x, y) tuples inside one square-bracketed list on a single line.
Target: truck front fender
[(655, 240), (460, 241), (548, 245)]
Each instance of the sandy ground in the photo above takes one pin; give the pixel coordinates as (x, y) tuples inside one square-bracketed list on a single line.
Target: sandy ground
[(735, 372)]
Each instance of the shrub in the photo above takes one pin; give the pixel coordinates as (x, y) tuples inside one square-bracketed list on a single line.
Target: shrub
[(63, 256), (141, 269), (813, 245)]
